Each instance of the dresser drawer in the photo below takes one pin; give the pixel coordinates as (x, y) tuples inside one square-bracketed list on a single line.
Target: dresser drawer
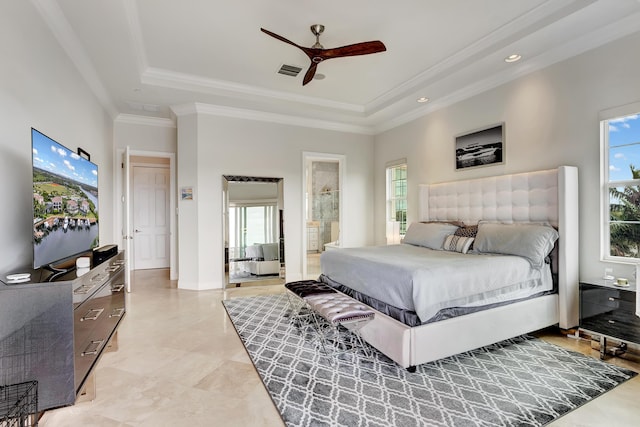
[(96, 318)]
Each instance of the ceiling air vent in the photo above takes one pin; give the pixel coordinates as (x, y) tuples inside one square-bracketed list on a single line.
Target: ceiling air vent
[(289, 70)]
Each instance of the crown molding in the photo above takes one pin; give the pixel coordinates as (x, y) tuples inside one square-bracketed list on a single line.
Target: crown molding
[(193, 83), (285, 119), (593, 40), (502, 36), (135, 32), (133, 119), (66, 37)]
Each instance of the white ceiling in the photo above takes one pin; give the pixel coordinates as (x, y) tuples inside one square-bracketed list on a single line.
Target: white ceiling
[(155, 58)]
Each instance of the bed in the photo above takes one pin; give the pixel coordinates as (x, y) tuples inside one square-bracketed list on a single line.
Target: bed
[(535, 200)]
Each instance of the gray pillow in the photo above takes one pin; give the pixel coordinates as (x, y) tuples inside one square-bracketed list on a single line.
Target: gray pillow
[(430, 235), (270, 251), (531, 241)]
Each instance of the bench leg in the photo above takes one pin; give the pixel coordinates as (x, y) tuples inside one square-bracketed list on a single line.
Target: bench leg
[(296, 307), (344, 341)]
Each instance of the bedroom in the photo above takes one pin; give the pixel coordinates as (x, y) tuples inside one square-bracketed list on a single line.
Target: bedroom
[(551, 116)]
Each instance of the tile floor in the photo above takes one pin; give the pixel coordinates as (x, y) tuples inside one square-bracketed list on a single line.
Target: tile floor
[(180, 363)]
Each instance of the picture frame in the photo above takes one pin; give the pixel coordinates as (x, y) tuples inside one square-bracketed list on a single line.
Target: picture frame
[(186, 193), (480, 147)]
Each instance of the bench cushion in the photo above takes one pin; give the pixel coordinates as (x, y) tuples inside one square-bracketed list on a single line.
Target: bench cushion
[(339, 308), (305, 288)]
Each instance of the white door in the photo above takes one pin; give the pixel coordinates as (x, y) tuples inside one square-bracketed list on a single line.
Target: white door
[(150, 217)]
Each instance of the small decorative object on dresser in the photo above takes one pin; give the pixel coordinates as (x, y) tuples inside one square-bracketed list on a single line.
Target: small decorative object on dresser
[(608, 310)]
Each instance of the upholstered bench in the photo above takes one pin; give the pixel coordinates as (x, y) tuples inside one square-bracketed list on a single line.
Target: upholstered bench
[(302, 289), (336, 309)]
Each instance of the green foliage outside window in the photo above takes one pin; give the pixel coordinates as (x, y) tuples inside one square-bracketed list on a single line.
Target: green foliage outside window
[(624, 210)]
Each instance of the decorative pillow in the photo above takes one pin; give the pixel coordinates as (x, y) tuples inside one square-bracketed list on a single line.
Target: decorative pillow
[(430, 235), (454, 243), (531, 241), (467, 231)]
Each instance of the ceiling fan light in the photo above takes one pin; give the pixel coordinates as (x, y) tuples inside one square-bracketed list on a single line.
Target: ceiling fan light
[(513, 58)]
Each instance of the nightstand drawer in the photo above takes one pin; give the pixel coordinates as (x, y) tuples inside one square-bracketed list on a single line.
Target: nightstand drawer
[(597, 299), (607, 301), (614, 324)]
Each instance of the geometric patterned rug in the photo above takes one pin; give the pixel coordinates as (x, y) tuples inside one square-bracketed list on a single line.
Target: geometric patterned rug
[(523, 381)]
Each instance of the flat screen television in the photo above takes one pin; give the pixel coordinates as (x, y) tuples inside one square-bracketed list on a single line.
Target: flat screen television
[(65, 203)]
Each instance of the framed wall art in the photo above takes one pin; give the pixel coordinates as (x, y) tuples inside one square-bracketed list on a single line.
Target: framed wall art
[(482, 147)]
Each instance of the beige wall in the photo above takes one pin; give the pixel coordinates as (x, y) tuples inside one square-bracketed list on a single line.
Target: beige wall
[(211, 146), (551, 119), (41, 88)]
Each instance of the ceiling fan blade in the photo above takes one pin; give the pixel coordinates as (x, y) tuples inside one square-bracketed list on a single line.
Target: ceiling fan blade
[(310, 73), (364, 48), (282, 39)]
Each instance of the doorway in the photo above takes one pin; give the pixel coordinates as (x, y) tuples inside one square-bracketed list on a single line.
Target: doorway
[(126, 160), (322, 208)]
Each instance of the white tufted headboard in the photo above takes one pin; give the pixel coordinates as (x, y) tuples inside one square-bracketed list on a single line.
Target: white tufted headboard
[(541, 196), (525, 197)]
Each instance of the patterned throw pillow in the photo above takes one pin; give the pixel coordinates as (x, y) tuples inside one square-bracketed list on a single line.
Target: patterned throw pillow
[(467, 231), (455, 243)]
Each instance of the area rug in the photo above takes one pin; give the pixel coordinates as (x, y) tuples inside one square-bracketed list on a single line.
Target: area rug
[(523, 381)]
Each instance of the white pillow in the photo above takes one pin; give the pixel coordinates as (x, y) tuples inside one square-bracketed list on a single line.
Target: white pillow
[(531, 241), (453, 243), (430, 235), (254, 252)]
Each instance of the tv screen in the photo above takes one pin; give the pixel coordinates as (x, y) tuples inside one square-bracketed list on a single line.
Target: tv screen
[(65, 202)]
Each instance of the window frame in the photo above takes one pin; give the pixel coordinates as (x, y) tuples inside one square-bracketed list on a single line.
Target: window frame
[(391, 199), (606, 184)]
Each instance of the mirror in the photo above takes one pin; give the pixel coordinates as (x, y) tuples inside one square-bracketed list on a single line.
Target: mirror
[(253, 215)]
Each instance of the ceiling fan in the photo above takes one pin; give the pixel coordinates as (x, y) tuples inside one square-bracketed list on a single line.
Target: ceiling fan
[(317, 53)]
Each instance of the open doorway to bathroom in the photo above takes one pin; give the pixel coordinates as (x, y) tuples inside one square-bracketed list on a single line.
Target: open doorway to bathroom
[(322, 208)]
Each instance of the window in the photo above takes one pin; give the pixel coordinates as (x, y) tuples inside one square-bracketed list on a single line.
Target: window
[(621, 195), (396, 201), (251, 224)]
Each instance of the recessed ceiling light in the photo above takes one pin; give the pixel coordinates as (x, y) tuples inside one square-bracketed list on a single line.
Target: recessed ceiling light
[(423, 99), (513, 58)]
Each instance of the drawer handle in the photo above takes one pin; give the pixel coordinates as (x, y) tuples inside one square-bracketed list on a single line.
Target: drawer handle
[(613, 299), (117, 312), (92, 314), (612, 321), (117, 288), (95, 344)]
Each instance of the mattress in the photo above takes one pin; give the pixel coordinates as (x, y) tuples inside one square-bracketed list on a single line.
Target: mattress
[(427, 282)]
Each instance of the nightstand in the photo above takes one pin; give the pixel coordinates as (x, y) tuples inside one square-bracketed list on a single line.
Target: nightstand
[(608, 310)]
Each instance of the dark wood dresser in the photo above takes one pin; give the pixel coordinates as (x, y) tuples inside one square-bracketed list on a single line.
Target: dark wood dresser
[(55, 332)]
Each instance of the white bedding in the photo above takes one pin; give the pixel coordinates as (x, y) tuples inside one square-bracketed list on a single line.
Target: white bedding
[(426, 280)]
